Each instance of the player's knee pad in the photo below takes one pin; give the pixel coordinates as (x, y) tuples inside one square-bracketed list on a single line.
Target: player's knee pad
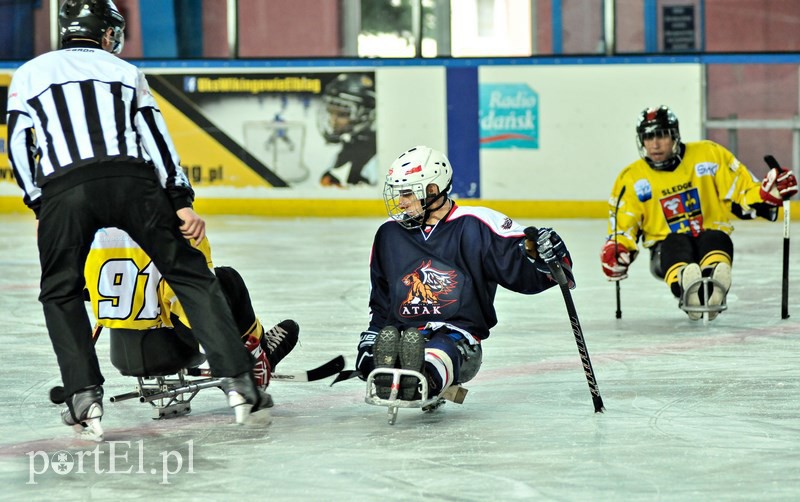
[(655, 262), (471, 359), (238, 298), (452, 359), (231, 282)]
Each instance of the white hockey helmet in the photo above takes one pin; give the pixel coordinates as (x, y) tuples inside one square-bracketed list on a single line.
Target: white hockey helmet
[(410, 175)]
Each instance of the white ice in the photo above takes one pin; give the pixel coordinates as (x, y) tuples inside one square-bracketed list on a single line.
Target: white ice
[(693, 411)]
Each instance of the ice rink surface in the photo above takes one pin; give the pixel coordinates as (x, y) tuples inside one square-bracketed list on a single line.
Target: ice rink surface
[(693, 411)]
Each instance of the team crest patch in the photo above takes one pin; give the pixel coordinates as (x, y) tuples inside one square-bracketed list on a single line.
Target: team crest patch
[(683, 212), (643, 190), (427, 290), (506, 225)]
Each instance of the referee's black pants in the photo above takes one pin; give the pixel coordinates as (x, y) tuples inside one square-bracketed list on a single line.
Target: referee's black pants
[(68, 220)]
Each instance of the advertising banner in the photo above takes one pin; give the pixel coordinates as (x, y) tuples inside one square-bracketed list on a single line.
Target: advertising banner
[(246, 134), (308, 131)]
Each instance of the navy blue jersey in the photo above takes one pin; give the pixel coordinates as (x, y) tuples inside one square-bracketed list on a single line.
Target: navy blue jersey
[(449, 273)]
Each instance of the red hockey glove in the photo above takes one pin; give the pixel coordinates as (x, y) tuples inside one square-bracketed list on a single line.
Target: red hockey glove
[(615, 259), (778, 187)]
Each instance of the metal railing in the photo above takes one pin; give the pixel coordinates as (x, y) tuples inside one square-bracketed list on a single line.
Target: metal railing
[(733, 125)]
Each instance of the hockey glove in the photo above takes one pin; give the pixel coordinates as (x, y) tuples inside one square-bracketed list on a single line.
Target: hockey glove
[(365, 363), (548, 246), (615, 259), (777, 187)]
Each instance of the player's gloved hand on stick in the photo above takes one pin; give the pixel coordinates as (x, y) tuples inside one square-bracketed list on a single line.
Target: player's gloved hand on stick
[(615, 259), (777, 187), (365, 362), (548, 246)]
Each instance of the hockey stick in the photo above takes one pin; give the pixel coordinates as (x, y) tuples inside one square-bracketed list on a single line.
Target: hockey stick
[(616, 249), (332, 367), (773, 164), (561, 278), (345, 375), (57, 393)]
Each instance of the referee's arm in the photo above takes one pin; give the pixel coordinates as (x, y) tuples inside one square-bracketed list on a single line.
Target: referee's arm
[(21, 150), (158, 144)]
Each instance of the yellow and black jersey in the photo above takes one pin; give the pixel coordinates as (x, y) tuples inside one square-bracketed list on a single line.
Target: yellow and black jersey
[(125, 288), (694, 197)]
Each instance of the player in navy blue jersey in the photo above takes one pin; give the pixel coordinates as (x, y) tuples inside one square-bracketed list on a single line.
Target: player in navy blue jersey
[(434, 272)]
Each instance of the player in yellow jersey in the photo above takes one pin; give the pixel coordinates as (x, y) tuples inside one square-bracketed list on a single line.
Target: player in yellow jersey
[(677, 200), (130, 297)]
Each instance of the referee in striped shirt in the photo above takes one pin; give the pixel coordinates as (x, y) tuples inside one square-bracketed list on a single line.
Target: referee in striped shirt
[(90, 149)]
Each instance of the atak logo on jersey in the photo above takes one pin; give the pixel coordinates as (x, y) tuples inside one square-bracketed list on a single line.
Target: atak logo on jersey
[(426, 288)]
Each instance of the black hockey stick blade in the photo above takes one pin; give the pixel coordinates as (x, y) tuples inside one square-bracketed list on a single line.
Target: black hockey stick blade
[(345, 375), (332, 367)]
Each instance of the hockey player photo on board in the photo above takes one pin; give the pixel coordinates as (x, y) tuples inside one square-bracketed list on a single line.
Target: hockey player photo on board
[(302, 131), (347, 118)]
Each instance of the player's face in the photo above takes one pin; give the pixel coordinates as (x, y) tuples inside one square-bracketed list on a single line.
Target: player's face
[(409, 203), (338, 119), (659, 145)]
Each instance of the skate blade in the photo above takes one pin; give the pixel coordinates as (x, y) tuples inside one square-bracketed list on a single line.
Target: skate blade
[(244, 414), (92, 431), (260, 418)]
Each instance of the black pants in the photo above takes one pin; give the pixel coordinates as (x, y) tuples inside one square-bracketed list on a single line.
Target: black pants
[(238, 298), (707, 249), (68, 220)]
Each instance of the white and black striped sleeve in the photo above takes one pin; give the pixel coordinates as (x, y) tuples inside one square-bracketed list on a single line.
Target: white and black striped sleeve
[(157, 142), (22, 148)]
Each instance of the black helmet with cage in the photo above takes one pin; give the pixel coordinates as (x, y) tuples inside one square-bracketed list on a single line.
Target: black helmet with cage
[(90, 19), (658, 122), (347, 113)]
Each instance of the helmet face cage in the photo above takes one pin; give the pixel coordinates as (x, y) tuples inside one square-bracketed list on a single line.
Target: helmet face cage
[(410, 215), (348, 108), (407, 182), (91, 19), (657, 123)]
